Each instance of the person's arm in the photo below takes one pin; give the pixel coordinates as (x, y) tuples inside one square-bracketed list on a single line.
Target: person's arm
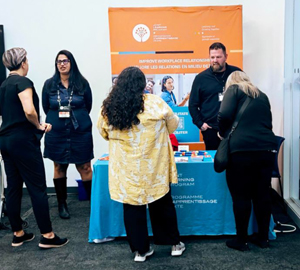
[(194, 103), (45, 98), (101, 126), (228, 110), (186, 98), (172, 119), (88, 98), (28, 107)]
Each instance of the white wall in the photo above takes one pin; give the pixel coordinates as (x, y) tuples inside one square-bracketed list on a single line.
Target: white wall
[(45, 27)]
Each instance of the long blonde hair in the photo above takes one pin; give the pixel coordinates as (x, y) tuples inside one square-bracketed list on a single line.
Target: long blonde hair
[(243, 81)]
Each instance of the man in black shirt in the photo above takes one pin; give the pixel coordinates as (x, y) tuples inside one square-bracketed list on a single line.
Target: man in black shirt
[(207, 94)]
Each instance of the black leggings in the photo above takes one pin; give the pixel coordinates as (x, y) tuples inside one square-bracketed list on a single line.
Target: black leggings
[(249, 181), (163, 221), (24, 164)]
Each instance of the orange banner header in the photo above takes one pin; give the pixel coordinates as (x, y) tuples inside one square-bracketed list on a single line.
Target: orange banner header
[(173, 39)]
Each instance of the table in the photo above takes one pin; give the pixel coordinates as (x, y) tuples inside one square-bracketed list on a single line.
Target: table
[(201, 197)]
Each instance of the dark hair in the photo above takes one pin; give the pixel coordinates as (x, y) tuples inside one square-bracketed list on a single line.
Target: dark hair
[(75, 78), (164, 80), (151, 81), (126, 100), (216, 46)]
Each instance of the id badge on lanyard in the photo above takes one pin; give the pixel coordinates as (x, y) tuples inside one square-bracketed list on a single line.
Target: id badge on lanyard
[(220, 97), (64, 112)]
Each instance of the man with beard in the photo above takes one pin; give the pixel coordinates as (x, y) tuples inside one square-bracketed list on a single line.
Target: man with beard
[(207, 94)]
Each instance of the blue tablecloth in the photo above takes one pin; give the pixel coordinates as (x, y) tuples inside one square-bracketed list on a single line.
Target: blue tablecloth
[(202, 200)]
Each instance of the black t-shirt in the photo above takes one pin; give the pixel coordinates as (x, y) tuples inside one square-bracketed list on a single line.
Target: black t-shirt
[(11, 109)]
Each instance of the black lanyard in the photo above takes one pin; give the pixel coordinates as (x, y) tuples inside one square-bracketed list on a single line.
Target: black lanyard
[(220, 81)]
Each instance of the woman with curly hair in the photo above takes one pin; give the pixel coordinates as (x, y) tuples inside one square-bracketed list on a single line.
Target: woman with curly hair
[(141, 163)]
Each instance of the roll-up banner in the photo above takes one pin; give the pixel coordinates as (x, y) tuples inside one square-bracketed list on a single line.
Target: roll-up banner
[(173, 41)]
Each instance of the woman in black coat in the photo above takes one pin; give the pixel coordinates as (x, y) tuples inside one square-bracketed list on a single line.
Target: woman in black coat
[(67, 102), (252, 153)]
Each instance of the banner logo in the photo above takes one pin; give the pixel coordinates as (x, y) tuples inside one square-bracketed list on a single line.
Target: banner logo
[(141, 33)]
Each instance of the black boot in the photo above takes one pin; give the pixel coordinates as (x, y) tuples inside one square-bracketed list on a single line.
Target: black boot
[(87, 184), (61, 192), (237, 244)]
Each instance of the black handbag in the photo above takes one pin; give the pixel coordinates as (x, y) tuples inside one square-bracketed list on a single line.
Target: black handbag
[(222, 154)]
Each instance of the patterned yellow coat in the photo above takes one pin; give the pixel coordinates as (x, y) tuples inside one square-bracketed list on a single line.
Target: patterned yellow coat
[(141, 160)]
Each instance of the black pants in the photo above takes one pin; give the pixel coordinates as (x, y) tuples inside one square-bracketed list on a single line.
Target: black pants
[(163, 221), (24, 163), (249, 181), (211, 139)]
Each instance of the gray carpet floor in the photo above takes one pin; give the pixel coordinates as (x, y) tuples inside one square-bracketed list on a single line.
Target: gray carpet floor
[(202, 253)]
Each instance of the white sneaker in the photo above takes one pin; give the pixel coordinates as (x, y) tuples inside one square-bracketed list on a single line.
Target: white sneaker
[(142, 257), (177, 250)]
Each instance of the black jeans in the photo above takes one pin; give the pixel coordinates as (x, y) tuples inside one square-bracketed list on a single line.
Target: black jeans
[(211, 139), (249, 181), (163, 221), (24, 164)]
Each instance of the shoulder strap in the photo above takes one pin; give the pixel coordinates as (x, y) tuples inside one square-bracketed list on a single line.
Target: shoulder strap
[(240, 113)]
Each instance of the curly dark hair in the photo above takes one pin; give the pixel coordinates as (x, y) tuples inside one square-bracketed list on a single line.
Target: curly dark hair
[(126, 99)]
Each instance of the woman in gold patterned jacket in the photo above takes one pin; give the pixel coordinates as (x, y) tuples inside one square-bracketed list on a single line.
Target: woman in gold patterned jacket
[(141, 162)]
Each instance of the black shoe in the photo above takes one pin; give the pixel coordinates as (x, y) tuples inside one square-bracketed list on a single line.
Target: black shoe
[(238, 245), (63, 210), (52, 243), (254, 239), (18, 241)]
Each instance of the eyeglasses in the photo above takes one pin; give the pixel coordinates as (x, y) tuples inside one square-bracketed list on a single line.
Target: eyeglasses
[(64, 61)]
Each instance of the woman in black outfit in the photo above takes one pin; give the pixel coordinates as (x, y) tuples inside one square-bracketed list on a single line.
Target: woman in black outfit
[(251, 157), (67, 102), (20, 135)]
